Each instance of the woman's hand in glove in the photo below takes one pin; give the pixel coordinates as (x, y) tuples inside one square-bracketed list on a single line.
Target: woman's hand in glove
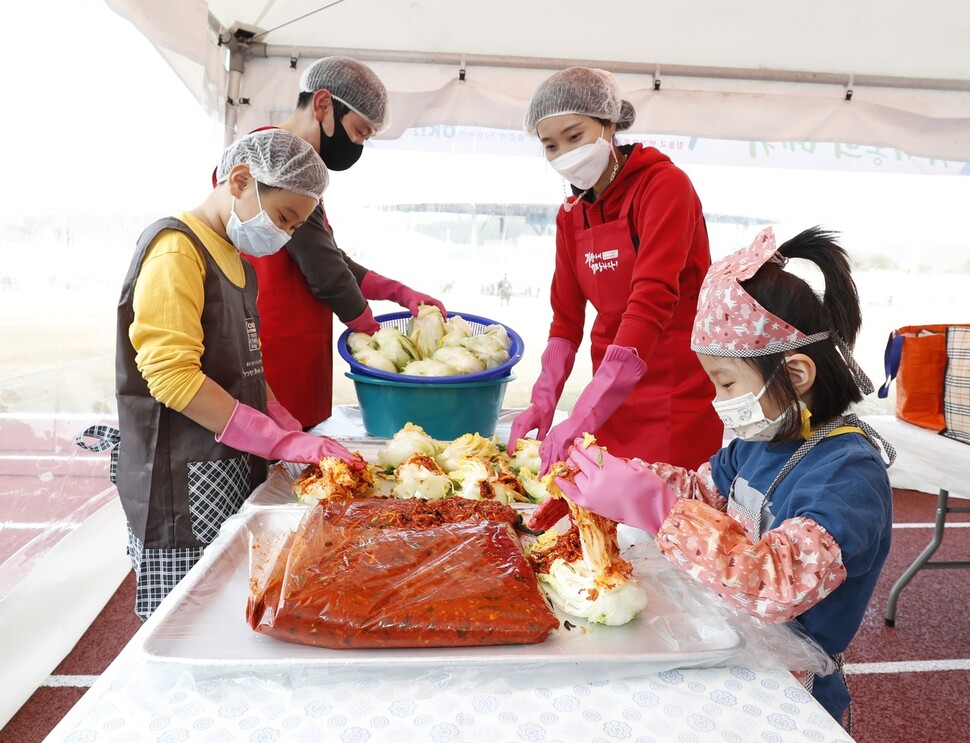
[(617, 374)]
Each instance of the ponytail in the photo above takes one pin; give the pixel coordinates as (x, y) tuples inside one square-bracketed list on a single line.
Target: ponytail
[(840, 302), (837, 310)]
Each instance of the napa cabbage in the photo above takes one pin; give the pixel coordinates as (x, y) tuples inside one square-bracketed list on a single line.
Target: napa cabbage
[(429, 368), (407, 442), (426, 330), (421, 477), (375, 359), (396, 346), (467, 445), (460, 359), (456, 330)]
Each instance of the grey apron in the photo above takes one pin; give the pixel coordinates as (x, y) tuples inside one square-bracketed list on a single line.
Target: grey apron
[(177, 484)]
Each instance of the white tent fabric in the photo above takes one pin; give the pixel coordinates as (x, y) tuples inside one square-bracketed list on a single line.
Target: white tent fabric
[(872, 72)]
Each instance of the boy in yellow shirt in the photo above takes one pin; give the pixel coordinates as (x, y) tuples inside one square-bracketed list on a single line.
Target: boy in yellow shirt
[(189, 363)]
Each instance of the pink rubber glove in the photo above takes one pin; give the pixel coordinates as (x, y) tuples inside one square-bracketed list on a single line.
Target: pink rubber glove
[(618, 373), (364, 322), (282, 417), (619, 489), (375, 286), (548, 513), (251, 431), (557, 363)]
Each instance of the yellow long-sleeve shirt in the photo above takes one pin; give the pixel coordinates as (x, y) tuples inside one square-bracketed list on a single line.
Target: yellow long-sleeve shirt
[(168, 299)]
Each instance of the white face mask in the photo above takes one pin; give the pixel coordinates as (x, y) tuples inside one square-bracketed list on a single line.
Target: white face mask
[(745, 416), (258, 236), (585, 165)]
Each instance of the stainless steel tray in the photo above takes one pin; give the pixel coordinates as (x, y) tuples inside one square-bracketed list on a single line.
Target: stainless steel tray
[(203, 623)]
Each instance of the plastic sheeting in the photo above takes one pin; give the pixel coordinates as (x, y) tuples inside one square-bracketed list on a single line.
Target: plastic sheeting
[(201, 629), (339, 586), (693, 620), (672, 636), (56, 504)]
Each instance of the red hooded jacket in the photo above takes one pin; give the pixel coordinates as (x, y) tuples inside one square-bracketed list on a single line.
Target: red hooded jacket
[(638, 254)]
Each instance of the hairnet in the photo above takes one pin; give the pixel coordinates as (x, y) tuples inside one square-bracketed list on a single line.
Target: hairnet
[(277, 158), (353, 83), (586, 91)]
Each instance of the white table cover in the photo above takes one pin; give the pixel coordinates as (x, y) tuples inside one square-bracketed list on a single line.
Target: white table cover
[(733, 705), (925, 461)]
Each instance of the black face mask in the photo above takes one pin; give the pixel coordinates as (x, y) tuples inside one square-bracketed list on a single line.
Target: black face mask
[(338, 152)]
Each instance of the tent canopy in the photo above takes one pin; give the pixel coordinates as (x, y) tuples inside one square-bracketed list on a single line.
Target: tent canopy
[(884, 73)]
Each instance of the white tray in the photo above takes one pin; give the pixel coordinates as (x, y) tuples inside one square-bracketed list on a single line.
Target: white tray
[(204, 623)]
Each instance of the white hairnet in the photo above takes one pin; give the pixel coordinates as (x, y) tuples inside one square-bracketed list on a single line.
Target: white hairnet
[(587, 91), (351, 82), (277, 158)]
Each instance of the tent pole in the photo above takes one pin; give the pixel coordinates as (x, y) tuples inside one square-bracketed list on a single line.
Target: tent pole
[(237, 64)]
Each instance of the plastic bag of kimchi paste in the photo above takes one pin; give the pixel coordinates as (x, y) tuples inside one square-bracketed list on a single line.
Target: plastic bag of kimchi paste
[(349, 584)]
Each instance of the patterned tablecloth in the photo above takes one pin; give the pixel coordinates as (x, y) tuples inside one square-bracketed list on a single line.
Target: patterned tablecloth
[(733, 705)]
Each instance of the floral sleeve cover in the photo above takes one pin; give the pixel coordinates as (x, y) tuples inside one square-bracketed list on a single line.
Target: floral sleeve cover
[(790, 569)]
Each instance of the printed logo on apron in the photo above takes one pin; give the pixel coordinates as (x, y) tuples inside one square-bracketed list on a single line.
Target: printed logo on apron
[(608, 260), (252, 334)]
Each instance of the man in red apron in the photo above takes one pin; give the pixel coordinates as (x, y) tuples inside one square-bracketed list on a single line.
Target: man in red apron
[(633, 243), (342, 103)]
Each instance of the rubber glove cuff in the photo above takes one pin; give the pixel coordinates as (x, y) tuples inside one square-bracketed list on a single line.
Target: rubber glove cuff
[(364, 322), (282, 417), (616, 376), (557, 363), (375, 286)]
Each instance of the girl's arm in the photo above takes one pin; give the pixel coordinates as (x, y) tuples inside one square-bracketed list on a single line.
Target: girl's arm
[(789, 570)]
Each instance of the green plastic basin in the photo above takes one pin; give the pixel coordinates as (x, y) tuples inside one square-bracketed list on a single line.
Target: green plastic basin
[(444, 411)]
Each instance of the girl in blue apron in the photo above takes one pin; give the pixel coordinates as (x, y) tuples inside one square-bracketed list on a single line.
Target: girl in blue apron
[(792, 520)]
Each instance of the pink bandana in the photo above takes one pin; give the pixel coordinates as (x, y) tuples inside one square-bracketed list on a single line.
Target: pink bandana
[(729, 322)]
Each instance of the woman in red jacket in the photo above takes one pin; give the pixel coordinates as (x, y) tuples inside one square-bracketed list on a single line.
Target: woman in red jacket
[(632, 242)]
